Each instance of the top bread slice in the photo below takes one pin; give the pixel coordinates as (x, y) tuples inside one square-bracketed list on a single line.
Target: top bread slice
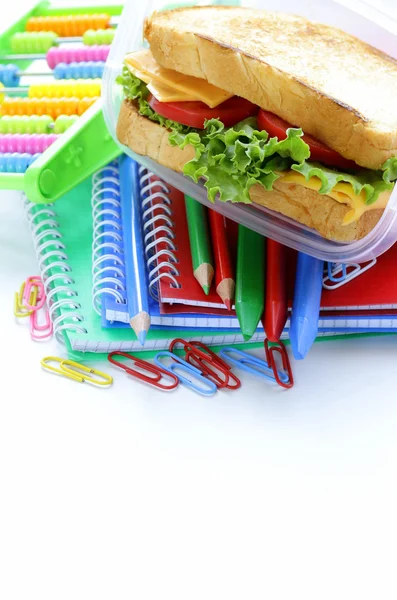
[(333, 85)]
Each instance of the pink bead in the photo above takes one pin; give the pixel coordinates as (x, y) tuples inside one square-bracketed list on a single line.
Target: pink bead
[(24, 142), (68, 55)]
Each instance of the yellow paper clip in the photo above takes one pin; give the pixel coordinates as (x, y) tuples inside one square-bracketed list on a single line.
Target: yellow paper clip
[(20, 310), (77, 372)]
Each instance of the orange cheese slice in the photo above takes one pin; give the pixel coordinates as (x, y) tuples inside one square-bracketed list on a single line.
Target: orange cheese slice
[(197, 89)]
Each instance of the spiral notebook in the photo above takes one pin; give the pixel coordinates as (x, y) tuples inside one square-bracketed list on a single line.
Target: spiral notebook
[(63, 235)]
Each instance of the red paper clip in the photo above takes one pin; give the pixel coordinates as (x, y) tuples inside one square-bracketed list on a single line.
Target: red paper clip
[(270, 352), (201, 356), (145, 366)]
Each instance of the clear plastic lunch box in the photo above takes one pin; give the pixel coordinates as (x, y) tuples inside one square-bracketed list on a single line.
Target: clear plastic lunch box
[(370, 25)]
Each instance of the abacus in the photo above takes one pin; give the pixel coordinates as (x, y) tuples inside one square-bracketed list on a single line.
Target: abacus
[(52, 133)]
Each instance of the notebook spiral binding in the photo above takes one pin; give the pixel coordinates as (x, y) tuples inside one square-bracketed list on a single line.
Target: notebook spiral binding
[(55, 272), (108, 266), (157, 229)]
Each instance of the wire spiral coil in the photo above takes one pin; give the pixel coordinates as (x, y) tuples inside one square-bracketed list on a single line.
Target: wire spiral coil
[(108, 267), (55, 271), (158, 232)]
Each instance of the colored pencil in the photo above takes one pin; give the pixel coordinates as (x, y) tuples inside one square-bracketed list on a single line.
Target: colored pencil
[(306, 304), (200, 246), (250, 280), (224, 276), (137, 292), (276, 302)]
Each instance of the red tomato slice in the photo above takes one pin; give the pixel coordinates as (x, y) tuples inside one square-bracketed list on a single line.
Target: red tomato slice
[(194, 114), (277, 127)]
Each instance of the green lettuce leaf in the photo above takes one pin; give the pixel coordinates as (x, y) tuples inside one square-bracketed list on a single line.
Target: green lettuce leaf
[(136, 89), (231, 160), (371, 182)]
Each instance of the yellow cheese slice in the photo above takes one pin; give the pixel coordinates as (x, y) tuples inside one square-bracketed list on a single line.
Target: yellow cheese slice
[(163, 93), (343, 193), (197, 89)]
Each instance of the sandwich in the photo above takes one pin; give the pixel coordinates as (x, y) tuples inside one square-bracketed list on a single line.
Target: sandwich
[(267, 108)]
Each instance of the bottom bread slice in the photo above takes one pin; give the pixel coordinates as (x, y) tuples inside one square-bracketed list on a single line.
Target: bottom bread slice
[(317, 211)]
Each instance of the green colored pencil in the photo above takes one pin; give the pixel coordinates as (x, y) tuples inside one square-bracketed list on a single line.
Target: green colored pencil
[(250, 280), (200, 246)]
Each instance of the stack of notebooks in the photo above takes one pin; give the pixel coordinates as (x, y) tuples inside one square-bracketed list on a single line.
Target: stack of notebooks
[(83, 244)]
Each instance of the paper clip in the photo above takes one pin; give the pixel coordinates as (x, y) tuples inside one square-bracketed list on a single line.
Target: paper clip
[(179, 365), (270, 352), (45, 327), (336, 272), (34, 282), (77, 372), (20, 310), (201, 356), (251, 364), (339, 274), (204, 362), (159, 372)]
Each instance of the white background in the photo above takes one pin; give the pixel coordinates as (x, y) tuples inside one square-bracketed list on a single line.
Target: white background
[(130, 493)]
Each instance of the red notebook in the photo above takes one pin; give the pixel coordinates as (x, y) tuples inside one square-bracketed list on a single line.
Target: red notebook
[(373, 289), (177, 284)]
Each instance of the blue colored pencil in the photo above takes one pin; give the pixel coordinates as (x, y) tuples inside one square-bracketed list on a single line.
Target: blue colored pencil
[(306, 304), (137, 288)]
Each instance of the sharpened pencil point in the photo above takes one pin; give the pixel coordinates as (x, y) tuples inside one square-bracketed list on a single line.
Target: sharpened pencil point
[(140, 324), (204, 275), (226, 290), (247, 337)]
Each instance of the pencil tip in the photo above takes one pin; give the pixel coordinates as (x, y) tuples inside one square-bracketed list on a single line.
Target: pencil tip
[(247, 337), (204, 275), (228, 304), (142, 337), (141, 324)]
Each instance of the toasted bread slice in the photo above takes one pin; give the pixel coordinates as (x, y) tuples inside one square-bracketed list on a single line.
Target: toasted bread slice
[(334, 86), (320, 212)]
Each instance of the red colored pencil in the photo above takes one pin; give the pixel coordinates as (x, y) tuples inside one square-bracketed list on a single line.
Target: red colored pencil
[(224, 276), (276, 303)]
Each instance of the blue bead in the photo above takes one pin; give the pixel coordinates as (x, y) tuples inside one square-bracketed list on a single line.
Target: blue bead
[(9, 75)]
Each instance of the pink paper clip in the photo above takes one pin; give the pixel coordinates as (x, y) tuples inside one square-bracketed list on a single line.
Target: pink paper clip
[(36, 327), (34, 281)]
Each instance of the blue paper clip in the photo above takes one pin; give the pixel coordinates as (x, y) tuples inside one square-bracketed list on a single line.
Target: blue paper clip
[(336, 272), (251, 364), (179, 365)]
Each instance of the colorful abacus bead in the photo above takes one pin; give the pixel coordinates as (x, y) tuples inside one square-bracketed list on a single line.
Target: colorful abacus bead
[(55, 56), (64, 122), (30, 143), (79, 70), (33, 43), (9, 75), (25, 124), (74, 88), (100, 37), (16, 162), (85, 104), (54, 107), (68, 25)]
